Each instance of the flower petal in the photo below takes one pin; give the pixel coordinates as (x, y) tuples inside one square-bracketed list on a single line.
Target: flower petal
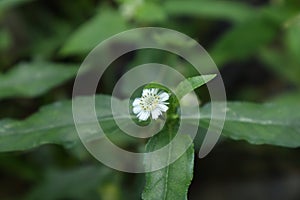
[(145, 92), (154, 91), (137, 109), (163, 107), (143, 115), (155, 113), (136, 102), (164, 96)]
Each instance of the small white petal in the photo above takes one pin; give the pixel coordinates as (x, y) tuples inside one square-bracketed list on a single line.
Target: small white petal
[(136, 102), (145, 92), (139, 114), (164, 96), (163, 107), (155, 113), (137, 109), (154, 91), (143, 115)]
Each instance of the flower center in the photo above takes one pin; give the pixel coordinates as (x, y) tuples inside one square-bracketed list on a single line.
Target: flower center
[(149, 102)]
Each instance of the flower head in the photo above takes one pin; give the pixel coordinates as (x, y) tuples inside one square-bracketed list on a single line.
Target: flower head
[(151, 103)]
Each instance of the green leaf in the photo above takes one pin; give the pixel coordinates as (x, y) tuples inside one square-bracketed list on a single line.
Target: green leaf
[(273, 124), (243, 41), (67, 184), (281, 63), (102, 26), (5, 39), (6, 4), (171, 182), (144, 13), (287, 98), (222, 10), (191, 84), (54, 124), (292, 40), (33, 79)]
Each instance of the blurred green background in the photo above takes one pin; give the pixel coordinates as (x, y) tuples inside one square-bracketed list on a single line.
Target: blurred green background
[(255, 43)]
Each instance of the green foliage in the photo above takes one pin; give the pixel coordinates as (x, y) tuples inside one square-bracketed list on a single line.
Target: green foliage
[(54, 124), (272, 123), (293, 41), (171, 182), (281, 63), (5, 39), (258, 124), (243, 41), (191, 84), (33, 79), (7, 4), (142, 11), (224, 10), (107, 23), (263, 37), (79, 183)]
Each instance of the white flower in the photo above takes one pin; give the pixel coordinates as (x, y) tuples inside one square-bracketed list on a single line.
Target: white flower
[(151, 103)]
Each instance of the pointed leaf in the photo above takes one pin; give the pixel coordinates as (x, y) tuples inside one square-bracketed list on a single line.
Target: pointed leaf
[(171, 182), (54, 124), (33, 79), (104, 25), (242, 41), (273, 124), (191, 84)]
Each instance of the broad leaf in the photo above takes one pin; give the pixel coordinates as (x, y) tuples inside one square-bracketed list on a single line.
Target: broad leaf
[(222, 10), (90, 34), (242, 41), (292, 40), (67, 184), (142, 11), (5, 39), (144, 14), (171, 182), (191, 84), (273, 124), (33, 79), (282, 64), (287, 98), (54, 124)]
